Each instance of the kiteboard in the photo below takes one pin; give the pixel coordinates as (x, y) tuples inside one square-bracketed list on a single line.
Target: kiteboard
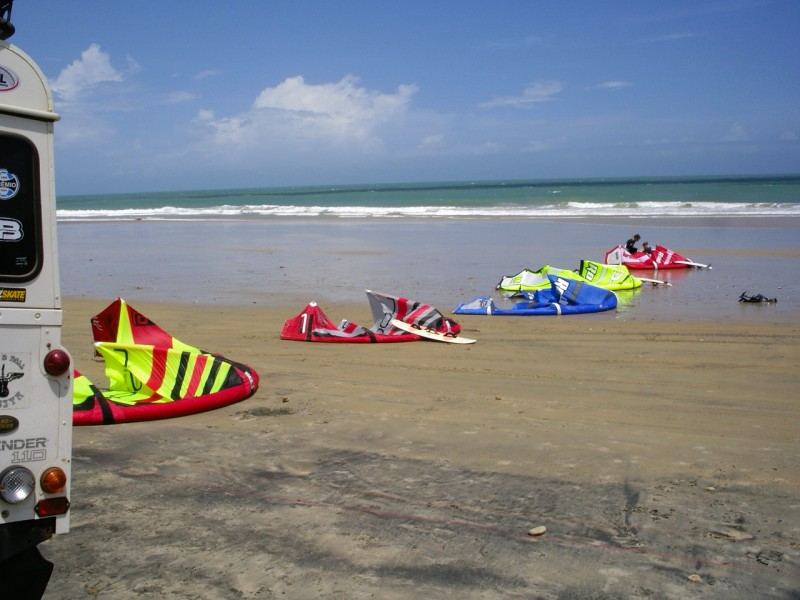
[(655, 282), (691, 263), (431, 334)]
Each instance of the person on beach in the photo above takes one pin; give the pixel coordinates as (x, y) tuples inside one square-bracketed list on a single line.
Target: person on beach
[(646, 248), (630, 245)]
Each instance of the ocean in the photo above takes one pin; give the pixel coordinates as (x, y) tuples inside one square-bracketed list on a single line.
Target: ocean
[(442, 243), (765, 196)]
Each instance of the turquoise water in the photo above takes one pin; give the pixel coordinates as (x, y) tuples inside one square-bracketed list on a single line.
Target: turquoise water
[(649, 197)]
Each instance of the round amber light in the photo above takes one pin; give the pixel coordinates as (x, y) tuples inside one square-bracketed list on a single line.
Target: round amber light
[(53, 480)]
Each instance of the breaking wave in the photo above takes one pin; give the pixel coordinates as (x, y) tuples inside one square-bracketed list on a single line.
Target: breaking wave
[(565, 209)]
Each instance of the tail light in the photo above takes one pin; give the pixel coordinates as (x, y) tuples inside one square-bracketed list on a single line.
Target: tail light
[(53, 480), (51, 507), (16, 484), (56, 362)]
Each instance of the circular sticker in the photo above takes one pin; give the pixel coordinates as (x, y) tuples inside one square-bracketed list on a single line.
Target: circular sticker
[(9, 184), (8, 81)]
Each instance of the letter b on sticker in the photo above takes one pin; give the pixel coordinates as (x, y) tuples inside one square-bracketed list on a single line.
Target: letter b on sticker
[(10, 230)]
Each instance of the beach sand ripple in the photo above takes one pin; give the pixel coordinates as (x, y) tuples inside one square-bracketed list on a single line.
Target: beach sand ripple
[(662, 457)]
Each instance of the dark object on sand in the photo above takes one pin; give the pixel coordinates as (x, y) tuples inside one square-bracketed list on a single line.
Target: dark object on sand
[(745, 297)]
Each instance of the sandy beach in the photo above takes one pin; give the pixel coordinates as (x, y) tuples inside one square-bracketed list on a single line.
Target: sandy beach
[(221, 167), (662, 457)]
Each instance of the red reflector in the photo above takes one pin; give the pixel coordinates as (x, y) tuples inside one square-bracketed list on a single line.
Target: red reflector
[(49, 507), (56, 362)]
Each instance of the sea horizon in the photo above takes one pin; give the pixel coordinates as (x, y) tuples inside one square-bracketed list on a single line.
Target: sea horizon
[(676, 196)]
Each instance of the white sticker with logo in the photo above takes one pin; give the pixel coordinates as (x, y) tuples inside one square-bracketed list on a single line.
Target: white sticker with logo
[(8, 80), (561, 285), (10, 230), (12, 380), (591, 272), (9, 184)]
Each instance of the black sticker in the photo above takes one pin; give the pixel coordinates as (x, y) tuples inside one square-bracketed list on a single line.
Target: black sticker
[(20, 210)]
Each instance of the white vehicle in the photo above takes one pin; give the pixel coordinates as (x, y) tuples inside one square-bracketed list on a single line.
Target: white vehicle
[(35, 373)]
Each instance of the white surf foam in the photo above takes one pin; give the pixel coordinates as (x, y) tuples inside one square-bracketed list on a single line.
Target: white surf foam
[(566, 209)]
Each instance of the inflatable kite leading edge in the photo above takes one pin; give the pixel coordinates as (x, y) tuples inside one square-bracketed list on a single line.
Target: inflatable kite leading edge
[(609, 277), (153, 375), (661, 257), (312, 324), (565, 297)]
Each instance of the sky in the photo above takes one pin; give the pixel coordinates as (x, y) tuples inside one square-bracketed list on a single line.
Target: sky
[(196, 94)]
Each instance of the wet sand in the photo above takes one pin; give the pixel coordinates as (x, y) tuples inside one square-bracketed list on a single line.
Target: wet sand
[(662, 456), (275, 262)]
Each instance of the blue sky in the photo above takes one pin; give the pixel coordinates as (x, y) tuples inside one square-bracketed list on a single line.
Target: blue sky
[(182, 94)]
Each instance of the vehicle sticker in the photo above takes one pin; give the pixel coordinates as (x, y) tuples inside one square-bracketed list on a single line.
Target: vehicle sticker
[(9, 184), (8, 80), (8, 423), (25, 450), (13, 294), (12, 374), (10, 230)]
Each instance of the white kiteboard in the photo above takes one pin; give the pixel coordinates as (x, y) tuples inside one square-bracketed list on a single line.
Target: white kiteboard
[(430, 334), (654, 281)]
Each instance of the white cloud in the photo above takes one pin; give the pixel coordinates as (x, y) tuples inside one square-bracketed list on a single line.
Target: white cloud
[(88, 91), (179, 97), (535, 146), (91, 69), (296, 115), (614, 84), (84, 129), (341, 108), (664, 141), (229, 130), (534, 93), (432, 141), (736, 133), (485, 149), (205, 74)]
